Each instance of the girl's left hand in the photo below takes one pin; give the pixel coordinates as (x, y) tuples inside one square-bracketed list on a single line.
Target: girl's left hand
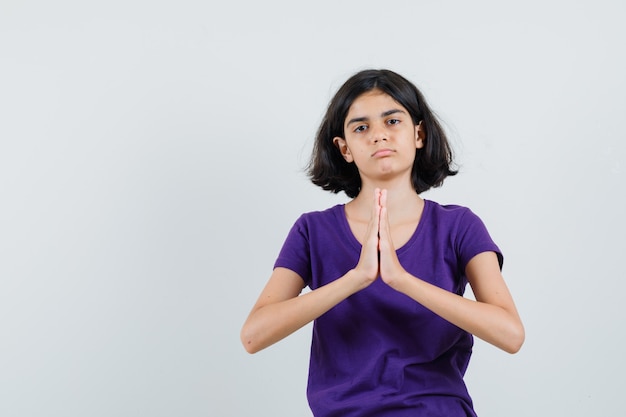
[(391, 272)]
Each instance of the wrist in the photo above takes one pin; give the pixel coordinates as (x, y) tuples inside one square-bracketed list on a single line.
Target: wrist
[(400, 281), (359, 279)]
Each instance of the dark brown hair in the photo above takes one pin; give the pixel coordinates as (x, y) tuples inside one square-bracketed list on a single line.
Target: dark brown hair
[(328, 169)]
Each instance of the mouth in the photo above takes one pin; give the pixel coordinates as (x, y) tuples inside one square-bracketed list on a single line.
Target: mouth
[(382, 153)]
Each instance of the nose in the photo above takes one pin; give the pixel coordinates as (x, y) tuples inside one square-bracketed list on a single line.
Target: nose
[(379, 133)]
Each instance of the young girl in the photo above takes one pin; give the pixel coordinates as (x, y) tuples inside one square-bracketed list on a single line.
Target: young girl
[(392, 332)]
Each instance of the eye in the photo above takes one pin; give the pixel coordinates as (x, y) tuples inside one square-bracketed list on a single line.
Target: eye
[(393, 121), (360, 128)]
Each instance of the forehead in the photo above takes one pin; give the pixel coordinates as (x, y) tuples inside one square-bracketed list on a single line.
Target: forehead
[(373, 103)]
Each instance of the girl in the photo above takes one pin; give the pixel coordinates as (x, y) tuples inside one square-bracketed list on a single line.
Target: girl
[(392, 333)]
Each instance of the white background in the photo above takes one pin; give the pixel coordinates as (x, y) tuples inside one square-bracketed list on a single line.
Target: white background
[(151, 164)]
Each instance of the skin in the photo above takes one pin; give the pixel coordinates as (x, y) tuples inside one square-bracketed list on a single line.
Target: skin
[(381, 139)]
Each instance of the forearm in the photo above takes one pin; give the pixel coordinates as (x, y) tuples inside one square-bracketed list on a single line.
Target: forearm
[(491, 323), (273, 322)]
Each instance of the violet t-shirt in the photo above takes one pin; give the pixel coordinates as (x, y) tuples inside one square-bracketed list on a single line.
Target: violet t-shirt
[(378, 352)]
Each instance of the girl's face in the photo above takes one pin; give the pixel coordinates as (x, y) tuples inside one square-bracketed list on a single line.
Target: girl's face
[(380, 137)]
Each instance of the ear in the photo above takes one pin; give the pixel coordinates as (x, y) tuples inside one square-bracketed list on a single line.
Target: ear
[(342, 145), (420, 136)]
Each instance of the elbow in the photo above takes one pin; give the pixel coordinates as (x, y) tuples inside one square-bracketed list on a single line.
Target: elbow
[(248, 341), (515, 340), (250, 348)]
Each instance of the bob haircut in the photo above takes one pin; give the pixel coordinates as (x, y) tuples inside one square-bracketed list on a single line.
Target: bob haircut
[(328, 169)]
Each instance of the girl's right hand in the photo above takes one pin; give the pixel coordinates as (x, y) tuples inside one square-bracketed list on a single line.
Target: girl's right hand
[(368, 267), (280, 309)]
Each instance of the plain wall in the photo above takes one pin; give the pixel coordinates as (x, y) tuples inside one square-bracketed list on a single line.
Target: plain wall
[(151, 164)]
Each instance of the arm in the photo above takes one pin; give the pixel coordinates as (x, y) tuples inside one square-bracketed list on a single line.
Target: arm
[(492, 317), (280, 309)]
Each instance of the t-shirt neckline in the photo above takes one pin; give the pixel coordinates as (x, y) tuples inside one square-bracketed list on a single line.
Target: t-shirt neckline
[(341, 208)]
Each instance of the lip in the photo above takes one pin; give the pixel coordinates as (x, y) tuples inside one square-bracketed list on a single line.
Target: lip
[(382, 153)]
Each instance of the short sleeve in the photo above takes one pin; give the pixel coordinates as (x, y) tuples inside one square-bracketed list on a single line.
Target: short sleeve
[(295, 253), (473, 239)]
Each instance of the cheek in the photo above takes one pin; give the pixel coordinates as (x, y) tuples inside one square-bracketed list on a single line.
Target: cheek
[(360, 154)]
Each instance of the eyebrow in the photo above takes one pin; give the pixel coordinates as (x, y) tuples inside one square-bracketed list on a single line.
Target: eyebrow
[(383, 114)]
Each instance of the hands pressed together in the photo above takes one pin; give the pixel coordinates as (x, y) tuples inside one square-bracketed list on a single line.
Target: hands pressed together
[(378, 254)]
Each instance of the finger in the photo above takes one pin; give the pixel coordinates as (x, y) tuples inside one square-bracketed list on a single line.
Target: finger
[(385, 242), (382, 204), (383, 225), (369, 261), (383, 198), (389, 264), (372, 229)]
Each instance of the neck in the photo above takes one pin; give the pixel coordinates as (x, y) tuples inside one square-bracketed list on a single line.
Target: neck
[(402, 200)]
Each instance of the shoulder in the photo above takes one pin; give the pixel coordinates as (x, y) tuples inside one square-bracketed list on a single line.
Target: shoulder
[(449, 213), (313, 223), (467, 232), (313, 218), (454, 219)]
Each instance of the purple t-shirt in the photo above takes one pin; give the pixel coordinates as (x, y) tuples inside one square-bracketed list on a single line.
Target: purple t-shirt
[(380, 353)]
